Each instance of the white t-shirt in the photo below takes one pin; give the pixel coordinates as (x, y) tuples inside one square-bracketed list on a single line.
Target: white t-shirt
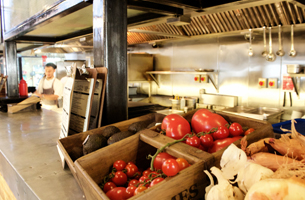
[(58, 87)]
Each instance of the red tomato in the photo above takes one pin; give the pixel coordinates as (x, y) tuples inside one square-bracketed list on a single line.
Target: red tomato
[(202, 148), (146, 172), (250, 130), (204, 120), (120, 178), (206, 140), (221, 133), (160, 158), (130, 163), (182, 163), (236, 129), (133, 182), (130, 191), (131, 170), (143, 180), (222, 143), (155, 181), (175, 126), (139, 189), (118, 193), (170, 167), (108, 186), (193, 141), (153, 174), (119, 165)]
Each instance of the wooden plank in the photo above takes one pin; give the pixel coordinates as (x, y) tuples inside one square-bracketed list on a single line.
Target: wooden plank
[(5, 191)]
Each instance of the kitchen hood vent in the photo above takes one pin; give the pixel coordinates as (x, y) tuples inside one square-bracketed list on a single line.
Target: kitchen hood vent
[(224, 21), (179, 21)]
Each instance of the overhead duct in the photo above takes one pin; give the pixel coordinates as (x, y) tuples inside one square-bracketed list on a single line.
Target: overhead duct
[(179, 21)]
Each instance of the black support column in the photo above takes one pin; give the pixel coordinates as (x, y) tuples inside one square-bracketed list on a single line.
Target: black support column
[(10, 60), (110, 50)]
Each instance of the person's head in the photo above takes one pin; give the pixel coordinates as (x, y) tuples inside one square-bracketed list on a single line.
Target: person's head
[(49, 70)]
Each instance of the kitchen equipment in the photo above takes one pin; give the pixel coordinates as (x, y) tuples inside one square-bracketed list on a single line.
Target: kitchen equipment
[(270, 56), (133, 90), (191, 102), (292, 52), (296, 114), (175, 104), (293, 68), (250, 51), (264, 53), (280, 52), (295, 87)]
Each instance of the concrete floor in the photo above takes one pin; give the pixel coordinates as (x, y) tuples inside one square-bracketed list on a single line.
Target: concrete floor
[(29, 159)]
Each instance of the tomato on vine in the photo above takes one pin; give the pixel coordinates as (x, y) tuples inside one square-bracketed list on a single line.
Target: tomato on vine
[(108, 186), (139, 189), (193, 141), (132, 169), (221, 133), (130, 191), (250, 130), (206, 140), (236, 129), (133, 182), (170, 167), (120, 178), (182, 163), (160, 158), (119, 165), (156, 181)]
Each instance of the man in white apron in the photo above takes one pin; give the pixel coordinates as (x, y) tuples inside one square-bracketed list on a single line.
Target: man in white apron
[(50, 89)]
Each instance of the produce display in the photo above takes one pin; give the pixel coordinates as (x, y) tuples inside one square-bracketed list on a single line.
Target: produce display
[(126, 180), (268, 169), (208, 131)]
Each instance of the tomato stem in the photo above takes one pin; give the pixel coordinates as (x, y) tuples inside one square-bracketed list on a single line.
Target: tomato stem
[(162, 149)]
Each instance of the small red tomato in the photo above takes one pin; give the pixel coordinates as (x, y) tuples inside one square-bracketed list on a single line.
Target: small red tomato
[(206, 140), (130, 163), (221, 133), (139, 189), (193, 141), (235, 129), (250, 130), (160, 158), (119, 165), (155, 181), (182, 163), (131, 170), (143, 179), (170, 167), (108, 186), (133, 182), (120, 178), (117, 193), (130, 191), (146, 172), (202, 148)]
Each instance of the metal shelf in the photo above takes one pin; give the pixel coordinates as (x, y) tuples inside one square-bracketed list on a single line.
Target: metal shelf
[(214, 81)]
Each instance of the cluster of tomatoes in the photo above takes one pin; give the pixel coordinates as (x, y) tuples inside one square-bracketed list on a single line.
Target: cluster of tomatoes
[(127, 180), (211, 131)]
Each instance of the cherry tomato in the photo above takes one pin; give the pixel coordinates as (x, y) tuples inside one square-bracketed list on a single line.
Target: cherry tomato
[(204, 120), (120, 178), (160, 158), (193, 141), (182, 163), (222, 143), (170, 167), (153, 174), (119, 165), (130, 191), (131, 170), (146, 172), (202, 148), (139, 189), (143, 180), (175, 126), (221, 133), (156, 181), (206, 140), (133, 182), (130, 163), (117, 193), (108, 186), (235, 129), (250, 130)]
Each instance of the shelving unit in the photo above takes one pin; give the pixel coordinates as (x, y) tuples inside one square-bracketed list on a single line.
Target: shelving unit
[(213, 80), (296, 75)]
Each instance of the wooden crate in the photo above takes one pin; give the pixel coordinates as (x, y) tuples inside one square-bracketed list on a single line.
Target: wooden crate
[(71, 145), (190, 183), (263, 129)]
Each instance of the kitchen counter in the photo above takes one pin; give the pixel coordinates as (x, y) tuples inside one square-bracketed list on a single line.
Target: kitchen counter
[(29, 159)]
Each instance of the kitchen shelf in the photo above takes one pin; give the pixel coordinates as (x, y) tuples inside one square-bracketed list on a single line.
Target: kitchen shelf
[(214, 81), (296, 75)]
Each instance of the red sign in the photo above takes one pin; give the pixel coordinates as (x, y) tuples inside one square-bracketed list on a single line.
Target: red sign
[(44, 60), (287, 83)]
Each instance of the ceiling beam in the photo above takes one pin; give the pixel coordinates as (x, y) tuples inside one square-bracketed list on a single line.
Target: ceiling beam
[(193, 4), (55, 12), (35, 39), (154, 7)]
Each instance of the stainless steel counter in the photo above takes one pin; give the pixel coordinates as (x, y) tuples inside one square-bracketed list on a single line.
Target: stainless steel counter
[(29, 159)]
